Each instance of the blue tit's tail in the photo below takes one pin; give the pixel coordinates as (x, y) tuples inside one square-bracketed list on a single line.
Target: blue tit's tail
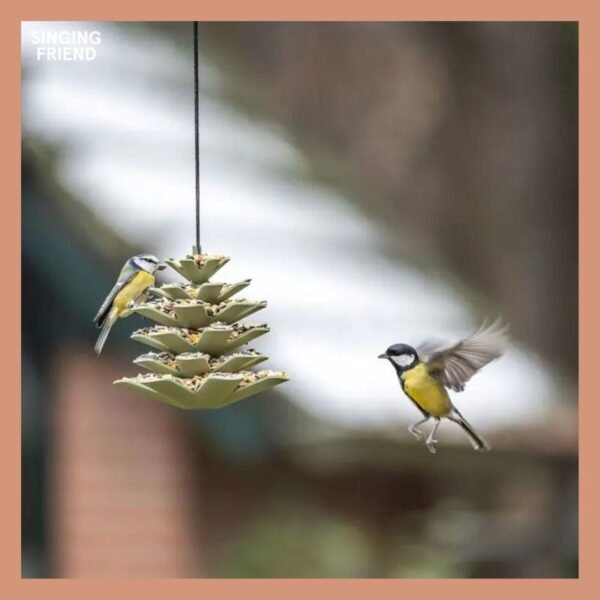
[(477, 441), (108, 323)]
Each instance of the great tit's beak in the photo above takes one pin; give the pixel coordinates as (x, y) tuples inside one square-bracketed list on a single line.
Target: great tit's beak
[(161, 266), (384, 355)]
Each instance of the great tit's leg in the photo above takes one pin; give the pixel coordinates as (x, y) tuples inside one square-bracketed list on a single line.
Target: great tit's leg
[(415, 431), (431, 442)]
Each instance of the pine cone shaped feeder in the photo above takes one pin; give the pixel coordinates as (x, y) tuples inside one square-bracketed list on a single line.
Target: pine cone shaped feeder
[(198, 360)]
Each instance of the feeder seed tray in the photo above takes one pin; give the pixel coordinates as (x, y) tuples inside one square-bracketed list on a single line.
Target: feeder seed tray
[(217, 339), (189, 364), (212, 390), (213, 293), (195, 314)]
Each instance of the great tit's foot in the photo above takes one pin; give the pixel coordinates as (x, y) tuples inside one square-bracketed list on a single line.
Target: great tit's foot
[(431, 442), (432, 446), (416, 433)]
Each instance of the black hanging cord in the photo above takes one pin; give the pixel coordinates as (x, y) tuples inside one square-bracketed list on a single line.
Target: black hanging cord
[(197, 137)]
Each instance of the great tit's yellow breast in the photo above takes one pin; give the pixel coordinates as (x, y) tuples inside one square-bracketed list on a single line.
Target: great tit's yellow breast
[(427, 392), (139, 283)]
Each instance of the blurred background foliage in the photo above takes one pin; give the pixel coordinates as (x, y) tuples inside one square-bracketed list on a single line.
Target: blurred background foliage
[(378, 181)]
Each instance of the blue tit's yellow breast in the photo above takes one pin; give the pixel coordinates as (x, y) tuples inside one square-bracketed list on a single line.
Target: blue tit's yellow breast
[(426, 391), (132, 290)]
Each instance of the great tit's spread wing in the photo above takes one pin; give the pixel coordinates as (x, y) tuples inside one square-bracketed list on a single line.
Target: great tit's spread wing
[(454, 365), (126, 274), (427, 347)]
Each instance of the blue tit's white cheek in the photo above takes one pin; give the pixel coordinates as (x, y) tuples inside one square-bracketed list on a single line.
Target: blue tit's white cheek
[(145, 265), (403, 360)]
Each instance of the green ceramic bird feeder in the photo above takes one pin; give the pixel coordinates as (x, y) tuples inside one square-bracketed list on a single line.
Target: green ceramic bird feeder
[(198, 358)]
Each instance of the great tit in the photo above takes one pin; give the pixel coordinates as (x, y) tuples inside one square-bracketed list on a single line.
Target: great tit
[(425, 373), (136, 276)]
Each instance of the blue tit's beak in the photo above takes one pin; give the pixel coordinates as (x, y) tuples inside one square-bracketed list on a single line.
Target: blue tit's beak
[(161, 266), (384, 355)]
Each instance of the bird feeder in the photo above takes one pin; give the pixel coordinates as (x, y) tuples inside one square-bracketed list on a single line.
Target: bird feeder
[(198, 358)]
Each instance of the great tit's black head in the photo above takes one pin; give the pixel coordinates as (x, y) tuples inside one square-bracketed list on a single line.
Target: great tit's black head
[(402, 356)]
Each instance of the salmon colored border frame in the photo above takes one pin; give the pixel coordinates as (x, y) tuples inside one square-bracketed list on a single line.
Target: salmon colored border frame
[(12, 586)]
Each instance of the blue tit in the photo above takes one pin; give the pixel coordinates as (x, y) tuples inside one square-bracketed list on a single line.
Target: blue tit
[(427, 372), (136, 276)]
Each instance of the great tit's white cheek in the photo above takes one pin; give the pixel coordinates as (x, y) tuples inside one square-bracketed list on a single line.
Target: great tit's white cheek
[(403, 360)]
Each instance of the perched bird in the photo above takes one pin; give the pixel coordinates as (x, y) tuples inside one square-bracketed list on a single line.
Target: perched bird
[(136, 276), (425, 373)]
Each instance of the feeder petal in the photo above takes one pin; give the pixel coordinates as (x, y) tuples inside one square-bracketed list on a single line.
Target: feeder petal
[(216, 390), (210, 292), (149, 340), (173, 341), (252, 333), (259, 386), (172, 291), (239, 362), (152, 363), (168, 387), (237, 310), (192, 316), (133, 384), (193, 364), (215, 293), (214, 341), (155, 314), (230, 290)]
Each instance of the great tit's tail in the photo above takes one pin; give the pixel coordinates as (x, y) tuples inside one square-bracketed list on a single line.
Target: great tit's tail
[(477, 441), (108, 323)]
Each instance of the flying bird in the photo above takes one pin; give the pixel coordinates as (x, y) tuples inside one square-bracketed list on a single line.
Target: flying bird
[(427, 372)]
